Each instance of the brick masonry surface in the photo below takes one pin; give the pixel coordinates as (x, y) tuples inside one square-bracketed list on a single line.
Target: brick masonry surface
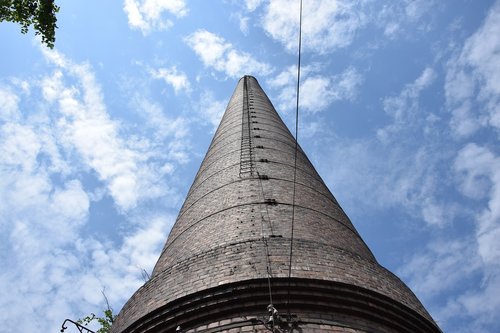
[(235, 224)]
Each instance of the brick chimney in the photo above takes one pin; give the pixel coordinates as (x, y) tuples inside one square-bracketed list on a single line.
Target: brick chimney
[(225, 265)]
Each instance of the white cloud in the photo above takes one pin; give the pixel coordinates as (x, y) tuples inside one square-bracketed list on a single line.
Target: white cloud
[(445, 264), (215, 52), (20, 146), (243, 22), (142, 247), (46, 266), (473, 95), (9, 109), (464, 122), (479, 169), (482, 305), (86, 126), (327, 25), (462, 275), (21, 85), (252, 4), (39, 220), (404, 166), (381, 176), (472, 79), (417, 8), (317, 91), (404, 18), (48, 152), (178, 80), (120, 269), (442, 267), (404, 109), (148, 15), (454, 265), (30, 197), (451, 268), (391, 29), (211, 109), (436, 214), (177, 129), (473, 164), (132, 168)]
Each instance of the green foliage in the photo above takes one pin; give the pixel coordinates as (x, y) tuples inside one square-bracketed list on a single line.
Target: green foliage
[(41, 14), (106, 322)]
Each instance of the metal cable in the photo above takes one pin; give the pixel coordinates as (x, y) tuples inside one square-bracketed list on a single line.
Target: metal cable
[(264, 239), (295, 156)]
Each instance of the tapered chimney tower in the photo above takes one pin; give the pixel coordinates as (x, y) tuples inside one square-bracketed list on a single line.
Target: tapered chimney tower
[(225, 265)]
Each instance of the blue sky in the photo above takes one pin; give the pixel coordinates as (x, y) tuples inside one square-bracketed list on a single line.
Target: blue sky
[(101, 137)]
